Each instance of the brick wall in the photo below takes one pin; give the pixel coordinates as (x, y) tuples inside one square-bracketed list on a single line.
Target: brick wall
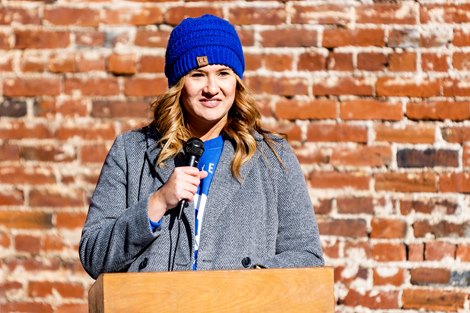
[(374, 96)]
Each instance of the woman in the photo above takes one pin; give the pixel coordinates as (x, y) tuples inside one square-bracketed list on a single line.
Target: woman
[(248, 203)]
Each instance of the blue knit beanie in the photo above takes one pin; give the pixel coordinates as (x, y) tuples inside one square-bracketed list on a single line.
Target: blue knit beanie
[(201, 41)]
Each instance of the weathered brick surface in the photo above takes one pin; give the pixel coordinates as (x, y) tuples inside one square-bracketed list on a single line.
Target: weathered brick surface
[(373, 95)]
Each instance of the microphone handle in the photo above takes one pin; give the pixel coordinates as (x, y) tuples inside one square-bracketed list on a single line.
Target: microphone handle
[(192, 161)]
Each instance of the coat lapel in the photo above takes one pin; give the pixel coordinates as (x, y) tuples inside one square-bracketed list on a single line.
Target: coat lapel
[(222, 191)]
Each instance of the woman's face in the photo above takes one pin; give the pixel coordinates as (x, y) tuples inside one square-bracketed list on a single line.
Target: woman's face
[(208, 94)]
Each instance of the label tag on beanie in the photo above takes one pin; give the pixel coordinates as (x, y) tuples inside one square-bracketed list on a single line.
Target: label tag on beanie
[(202, 61)]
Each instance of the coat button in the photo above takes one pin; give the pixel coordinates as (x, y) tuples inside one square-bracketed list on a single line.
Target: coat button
[(143, 264), (246, 261)]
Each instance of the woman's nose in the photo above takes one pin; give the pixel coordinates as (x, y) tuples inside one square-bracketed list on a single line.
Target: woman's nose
[(212, 87)]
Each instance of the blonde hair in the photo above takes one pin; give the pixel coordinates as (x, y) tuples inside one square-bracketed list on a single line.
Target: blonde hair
[(243, 119)]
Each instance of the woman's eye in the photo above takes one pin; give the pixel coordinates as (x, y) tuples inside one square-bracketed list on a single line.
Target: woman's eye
[(197, 75), (224, 73)]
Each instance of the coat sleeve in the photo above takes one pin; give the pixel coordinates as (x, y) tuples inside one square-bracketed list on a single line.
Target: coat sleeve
[(114, 233), (298, 242)]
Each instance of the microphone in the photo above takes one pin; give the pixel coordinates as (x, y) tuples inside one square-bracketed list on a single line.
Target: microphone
[(193, 149)]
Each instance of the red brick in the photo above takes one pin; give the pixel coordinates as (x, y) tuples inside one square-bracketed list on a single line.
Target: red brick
[(438, 110), (278, 62), (409, 158), (8, 287), (311, 61), (320, 14), (455, 182), (441, 229), (348, 276), (53, 243), (289, 37), (291, 86), (336, 180), (27, 243), (465, 156), (338, 86), (355, 205), (30, 307), (22, 130), (11, 197), (64, 289), (406, 182), (404, 38), (145, 87), (387, 13), (315, 109), (33, 265), (333, 38), (30, 87), (152, 38), (6, 62), (120, 109), (338, 61), (336, 133), (48, 153), (92, 86), (463, 253), (456, 134), (428, 206), (426, 276), (368, 109), (407, 87), (371, 61), (311, 155), (5, 41), (151, 64), (175, 15), (62, 107), (33, 62), (435, 37), (71, 220), (19, 16), (26, 220), (388, 252), (352, 228), (292, 131), (9, 152), (357, 249), (140, 16), (372, 299), (415, 252), (19, 175), (460, 61), (431, 62), (257, 15), (447, 13), (89, 38), (122, 64), (388, 228), (402, 62), (323, 206), (433, 300), (56, 198), (253, 61), (247, 37), (87, 132), (41, 39), (71, 16), (371, 156), (89, 62), (409, 134), (457, 87), (62, 63), (330, 250), (461, 37), (72, 308), (389, 276)]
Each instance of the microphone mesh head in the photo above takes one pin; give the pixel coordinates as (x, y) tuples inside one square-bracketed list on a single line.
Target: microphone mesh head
[(194, 146)]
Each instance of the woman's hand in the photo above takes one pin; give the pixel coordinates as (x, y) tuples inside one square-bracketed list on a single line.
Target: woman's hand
[(182, 184)]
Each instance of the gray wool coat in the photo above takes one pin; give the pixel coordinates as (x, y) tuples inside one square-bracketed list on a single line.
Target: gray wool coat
[(266, 218)]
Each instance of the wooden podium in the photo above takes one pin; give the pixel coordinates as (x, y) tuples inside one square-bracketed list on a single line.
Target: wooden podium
[(258, 290)]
